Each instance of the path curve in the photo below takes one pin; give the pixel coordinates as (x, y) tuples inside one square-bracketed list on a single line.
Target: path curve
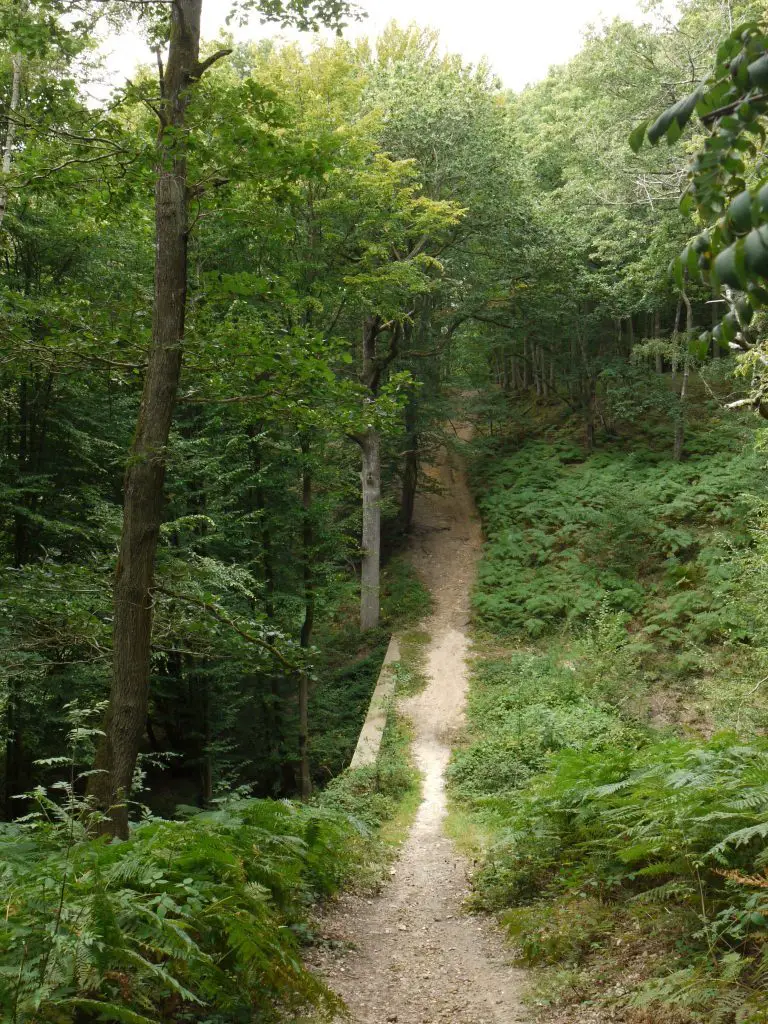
[(416, 957)]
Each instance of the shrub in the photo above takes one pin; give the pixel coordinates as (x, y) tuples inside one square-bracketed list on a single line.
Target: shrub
[(183, 916)]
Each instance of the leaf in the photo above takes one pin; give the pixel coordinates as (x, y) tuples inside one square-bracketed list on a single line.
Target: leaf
[(637, 137), (758, 72), (109, 1011)]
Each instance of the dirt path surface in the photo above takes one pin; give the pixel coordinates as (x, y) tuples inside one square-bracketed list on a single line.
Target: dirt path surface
[(416, 957)]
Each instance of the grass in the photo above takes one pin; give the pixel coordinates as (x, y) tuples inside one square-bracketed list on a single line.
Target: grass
[(387, 795), (409, 670)]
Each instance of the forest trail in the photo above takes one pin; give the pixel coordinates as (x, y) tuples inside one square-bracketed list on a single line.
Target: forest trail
[(416, 957)]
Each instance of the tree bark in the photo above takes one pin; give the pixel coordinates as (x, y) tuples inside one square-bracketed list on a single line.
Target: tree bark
[(370, 576), (411, 468), (680, 424), (305, 778), (10, 132), (657, 334), (370, 476), (144, 477)]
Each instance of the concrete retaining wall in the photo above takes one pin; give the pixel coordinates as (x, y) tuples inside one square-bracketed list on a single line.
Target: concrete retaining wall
[(368, 745)]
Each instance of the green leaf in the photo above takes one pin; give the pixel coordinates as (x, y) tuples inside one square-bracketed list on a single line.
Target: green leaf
[(758, 72), (109, 1011), (637, 137)]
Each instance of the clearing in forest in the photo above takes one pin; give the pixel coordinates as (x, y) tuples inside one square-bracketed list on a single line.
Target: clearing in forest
[(413, 955)]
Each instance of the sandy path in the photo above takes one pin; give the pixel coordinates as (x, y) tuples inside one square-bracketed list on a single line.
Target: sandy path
[(416, 957)]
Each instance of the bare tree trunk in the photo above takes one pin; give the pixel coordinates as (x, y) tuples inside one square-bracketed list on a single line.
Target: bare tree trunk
[(526, 365), (715, 320), (657, 334), (680, 424), (370, 581), (305, 778), (144, 477), (10, 132), (411, 469), (370, 446), (206, 770), (678, 311)]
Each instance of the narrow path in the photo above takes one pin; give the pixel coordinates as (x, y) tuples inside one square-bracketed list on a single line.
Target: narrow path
[(416, 957)]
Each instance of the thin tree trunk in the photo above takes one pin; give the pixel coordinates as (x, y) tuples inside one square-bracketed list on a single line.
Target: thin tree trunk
[(678, 311), (21, 520), (680, 424), (657, 334), (715, 320), (370, 581), (305, 778), (144, 477), (207, 761), (10, 132), (370, 476), (411, 469), (13, 754)]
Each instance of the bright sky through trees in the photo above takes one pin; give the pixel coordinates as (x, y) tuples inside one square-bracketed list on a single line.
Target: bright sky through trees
[(501, 31)]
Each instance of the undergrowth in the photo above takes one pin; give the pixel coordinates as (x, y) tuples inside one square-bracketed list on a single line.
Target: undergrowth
[(348, 667), (202, 919), (196, 920), (615, 770)]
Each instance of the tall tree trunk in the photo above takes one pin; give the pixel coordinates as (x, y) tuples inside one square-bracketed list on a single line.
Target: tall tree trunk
[(657, 334), (678, 311), (206, 765), (14, 754), (10, 132), (144, 477), (20, 518), (680, 424), (411, 468), (370, 476), (308, 540), (370, 577)]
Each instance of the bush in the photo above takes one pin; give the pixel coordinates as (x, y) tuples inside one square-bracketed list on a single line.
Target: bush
[(625, 531), (183, 916)]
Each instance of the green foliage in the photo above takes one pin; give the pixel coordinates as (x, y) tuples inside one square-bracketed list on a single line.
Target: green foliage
[(613, 832), (629, 531), (526, 708), (373, 794), (196, 914)]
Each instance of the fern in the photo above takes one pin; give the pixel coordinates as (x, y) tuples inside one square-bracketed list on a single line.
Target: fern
[(198, 913)]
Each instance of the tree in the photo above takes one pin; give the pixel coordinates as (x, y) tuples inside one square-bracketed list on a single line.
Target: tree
[(726, 180), (143, 486)]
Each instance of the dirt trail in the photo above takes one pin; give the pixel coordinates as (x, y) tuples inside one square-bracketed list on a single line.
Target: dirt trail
[(417, 958)]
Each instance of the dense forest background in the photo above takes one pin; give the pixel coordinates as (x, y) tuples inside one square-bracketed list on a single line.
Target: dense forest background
[(375, 239)]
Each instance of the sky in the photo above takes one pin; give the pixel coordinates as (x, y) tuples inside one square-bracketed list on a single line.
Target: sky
[(521, 38)]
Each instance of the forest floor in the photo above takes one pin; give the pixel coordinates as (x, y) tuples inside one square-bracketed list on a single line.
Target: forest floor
[(413, 955)]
